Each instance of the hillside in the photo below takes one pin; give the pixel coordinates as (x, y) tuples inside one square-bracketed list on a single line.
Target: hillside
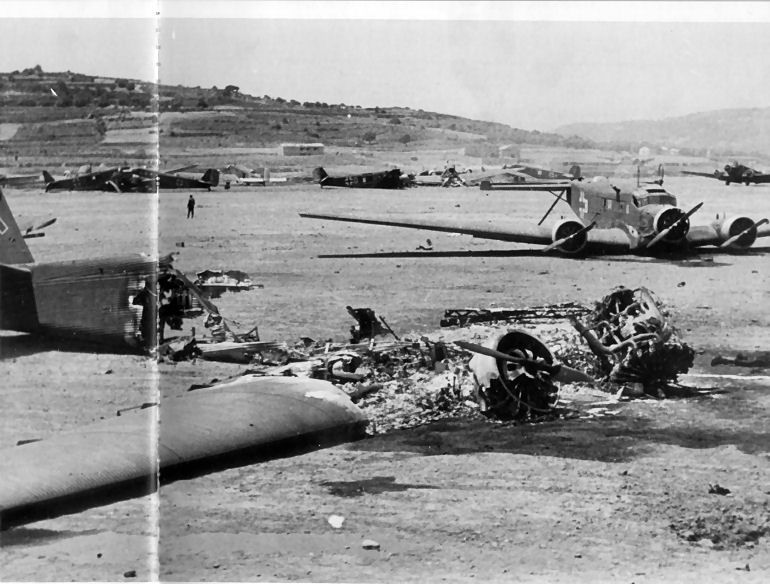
[(113, 111), (66, 118), (726, 131)]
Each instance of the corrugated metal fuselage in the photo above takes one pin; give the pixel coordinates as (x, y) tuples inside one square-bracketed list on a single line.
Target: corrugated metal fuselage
[(82, 300)]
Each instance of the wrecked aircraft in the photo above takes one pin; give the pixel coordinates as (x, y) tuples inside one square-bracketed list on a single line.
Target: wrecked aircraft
[(216, 282)]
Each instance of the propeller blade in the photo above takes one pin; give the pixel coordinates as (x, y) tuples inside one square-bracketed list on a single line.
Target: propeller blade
[(735, 238), (668, 229), (474, 348), (559, 372), (567, 374), (52, 220), (564, 240)]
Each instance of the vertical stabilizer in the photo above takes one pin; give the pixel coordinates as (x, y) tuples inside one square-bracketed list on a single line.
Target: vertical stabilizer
[(13, 248), (211, 176)]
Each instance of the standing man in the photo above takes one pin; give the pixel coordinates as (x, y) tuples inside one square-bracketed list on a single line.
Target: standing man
[(191, 208)]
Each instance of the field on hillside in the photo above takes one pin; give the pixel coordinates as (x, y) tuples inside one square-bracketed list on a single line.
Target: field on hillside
[(623, 497)]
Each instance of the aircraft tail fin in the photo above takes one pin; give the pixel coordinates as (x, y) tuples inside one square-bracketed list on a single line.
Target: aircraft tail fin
[(575, 171), (47, 178), (319, 174), (211, 176), (13, 248)]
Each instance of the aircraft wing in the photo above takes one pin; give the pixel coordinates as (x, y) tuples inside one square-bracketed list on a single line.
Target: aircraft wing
[(19, 180), (521, 234), (244, 421), (702, 235), (704, 174), (146, 172), (180, 169), (550, 187), (607, 240)]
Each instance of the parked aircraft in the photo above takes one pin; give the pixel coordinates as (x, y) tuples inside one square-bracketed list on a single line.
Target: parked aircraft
[(82, 300), (386, 179), (99, 180), (609, 219), (735, 172), (518, 174), (177, 180)]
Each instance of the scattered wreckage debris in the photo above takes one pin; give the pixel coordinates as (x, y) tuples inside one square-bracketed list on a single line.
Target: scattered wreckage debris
[(216, 282), (634, 342), (754, 359), (465, 316), (369, 325), (515, 375)]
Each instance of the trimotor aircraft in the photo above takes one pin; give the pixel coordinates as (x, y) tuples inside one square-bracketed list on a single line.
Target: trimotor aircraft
[(609, 219), (735, 173), (385, 179), (87, 301), (176, 180)]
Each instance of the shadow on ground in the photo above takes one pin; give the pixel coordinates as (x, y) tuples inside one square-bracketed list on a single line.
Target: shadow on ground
[(697, 423)]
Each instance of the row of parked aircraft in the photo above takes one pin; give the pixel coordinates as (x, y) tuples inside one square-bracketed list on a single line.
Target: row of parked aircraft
[(611, 217), (129, 180)]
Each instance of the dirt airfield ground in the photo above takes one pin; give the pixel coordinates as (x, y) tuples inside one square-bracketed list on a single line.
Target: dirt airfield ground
[(621, 498)]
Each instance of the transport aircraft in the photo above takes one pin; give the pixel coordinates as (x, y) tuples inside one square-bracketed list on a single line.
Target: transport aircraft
[(735, 172), (106, 179), (175, 179), (608, 219), (385, 179), (87, 300)]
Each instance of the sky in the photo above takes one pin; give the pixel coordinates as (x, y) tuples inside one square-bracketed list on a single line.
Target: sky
[(530, 65)]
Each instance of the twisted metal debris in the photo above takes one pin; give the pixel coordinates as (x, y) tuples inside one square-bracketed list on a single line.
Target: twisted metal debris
[(634, 342)]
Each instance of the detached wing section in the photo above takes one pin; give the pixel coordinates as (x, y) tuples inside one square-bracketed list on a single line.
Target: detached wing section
[(604, 241), (250, 419)]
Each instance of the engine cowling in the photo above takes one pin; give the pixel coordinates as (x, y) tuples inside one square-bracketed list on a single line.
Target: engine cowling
[(730, 227), (665, 218), (565, 228)]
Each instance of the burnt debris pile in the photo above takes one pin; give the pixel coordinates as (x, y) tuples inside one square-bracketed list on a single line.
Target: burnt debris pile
[(634, 343)]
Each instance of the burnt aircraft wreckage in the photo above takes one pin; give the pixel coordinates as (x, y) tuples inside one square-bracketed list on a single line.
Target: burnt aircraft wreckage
[(735, 173), (609, 219), (386, 179)]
